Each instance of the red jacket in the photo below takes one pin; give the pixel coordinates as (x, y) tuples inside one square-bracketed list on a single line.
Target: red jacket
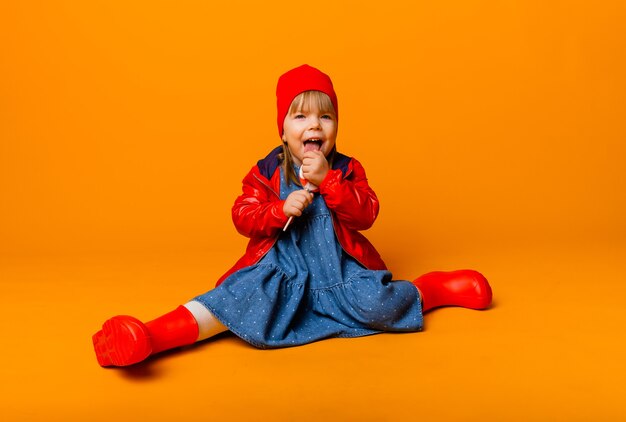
[(258, 211)]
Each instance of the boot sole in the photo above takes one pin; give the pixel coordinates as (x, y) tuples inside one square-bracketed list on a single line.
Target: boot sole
[(123, 341)]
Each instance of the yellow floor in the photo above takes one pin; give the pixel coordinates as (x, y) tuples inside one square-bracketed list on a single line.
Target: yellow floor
[(551, 348)]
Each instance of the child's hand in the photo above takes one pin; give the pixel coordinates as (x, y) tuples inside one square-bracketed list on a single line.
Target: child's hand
[(296, 202), (314, 167)]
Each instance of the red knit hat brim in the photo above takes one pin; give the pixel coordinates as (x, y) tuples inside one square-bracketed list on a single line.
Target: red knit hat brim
[(296, 81)]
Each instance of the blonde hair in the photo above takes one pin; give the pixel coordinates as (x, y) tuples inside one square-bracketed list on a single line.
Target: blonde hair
[(304, 102)]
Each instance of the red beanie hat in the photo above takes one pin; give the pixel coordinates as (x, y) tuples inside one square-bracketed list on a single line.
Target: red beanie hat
[(295, 82)]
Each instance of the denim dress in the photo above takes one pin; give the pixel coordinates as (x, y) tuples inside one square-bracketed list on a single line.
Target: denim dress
[(307, 288)]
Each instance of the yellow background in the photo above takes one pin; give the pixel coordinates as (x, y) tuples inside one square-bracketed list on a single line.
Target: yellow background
[(492, 131)]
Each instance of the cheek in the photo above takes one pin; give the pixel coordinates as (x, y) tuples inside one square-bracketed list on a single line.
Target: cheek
[(293, 131), (289, 134), (332, 131), (295, 148)]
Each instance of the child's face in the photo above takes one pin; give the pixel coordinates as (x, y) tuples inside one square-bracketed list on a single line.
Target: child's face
[(309, 130)]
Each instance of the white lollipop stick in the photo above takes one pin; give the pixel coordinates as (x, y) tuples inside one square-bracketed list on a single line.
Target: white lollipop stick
[(288, 223)]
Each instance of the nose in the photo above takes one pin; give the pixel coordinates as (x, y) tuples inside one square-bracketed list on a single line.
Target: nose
[(315, 123)]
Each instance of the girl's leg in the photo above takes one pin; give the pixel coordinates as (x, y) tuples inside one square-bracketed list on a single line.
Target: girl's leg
[(125, 340), (208, 325), (466, 288)]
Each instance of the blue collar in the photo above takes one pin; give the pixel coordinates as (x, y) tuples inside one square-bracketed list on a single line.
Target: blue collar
[(269, 164)]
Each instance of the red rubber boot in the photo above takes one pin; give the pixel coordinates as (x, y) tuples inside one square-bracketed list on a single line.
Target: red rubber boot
[(125, 340), (466, 288)]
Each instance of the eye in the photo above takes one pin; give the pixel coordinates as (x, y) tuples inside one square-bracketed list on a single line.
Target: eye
[(327, 116), (299, 116)]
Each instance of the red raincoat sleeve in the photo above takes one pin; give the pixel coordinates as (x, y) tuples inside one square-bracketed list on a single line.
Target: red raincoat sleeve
[(258, 211), (351, 199)]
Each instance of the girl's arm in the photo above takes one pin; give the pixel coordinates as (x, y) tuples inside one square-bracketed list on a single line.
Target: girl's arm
[(258, 211), (351, 199)]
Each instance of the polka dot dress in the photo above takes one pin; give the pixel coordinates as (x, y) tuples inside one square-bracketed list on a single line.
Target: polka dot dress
[(307, 288)]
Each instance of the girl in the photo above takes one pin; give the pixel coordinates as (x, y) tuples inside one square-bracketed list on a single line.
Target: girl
[(308, 273)]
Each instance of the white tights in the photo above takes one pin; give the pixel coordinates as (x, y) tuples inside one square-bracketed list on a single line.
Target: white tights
[(208, 325)]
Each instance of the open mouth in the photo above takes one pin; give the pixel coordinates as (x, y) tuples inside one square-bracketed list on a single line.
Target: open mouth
[(313, 144)]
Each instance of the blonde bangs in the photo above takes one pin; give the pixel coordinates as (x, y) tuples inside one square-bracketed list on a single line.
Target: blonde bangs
[(308, 100)]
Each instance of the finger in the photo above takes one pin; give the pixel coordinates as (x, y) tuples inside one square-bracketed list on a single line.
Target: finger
[(303, 200), (305, 194), (308, 196), (308, 169), (297, 194), (301, 195), (313, 154), (307, 163), (308, 200), (296, 205), (300, 203), (300, 198)]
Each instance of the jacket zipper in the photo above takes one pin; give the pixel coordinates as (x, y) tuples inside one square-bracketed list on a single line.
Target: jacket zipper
[(266, 185)]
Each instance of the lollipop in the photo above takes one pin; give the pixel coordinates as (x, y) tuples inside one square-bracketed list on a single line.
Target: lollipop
[(308, 186)]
